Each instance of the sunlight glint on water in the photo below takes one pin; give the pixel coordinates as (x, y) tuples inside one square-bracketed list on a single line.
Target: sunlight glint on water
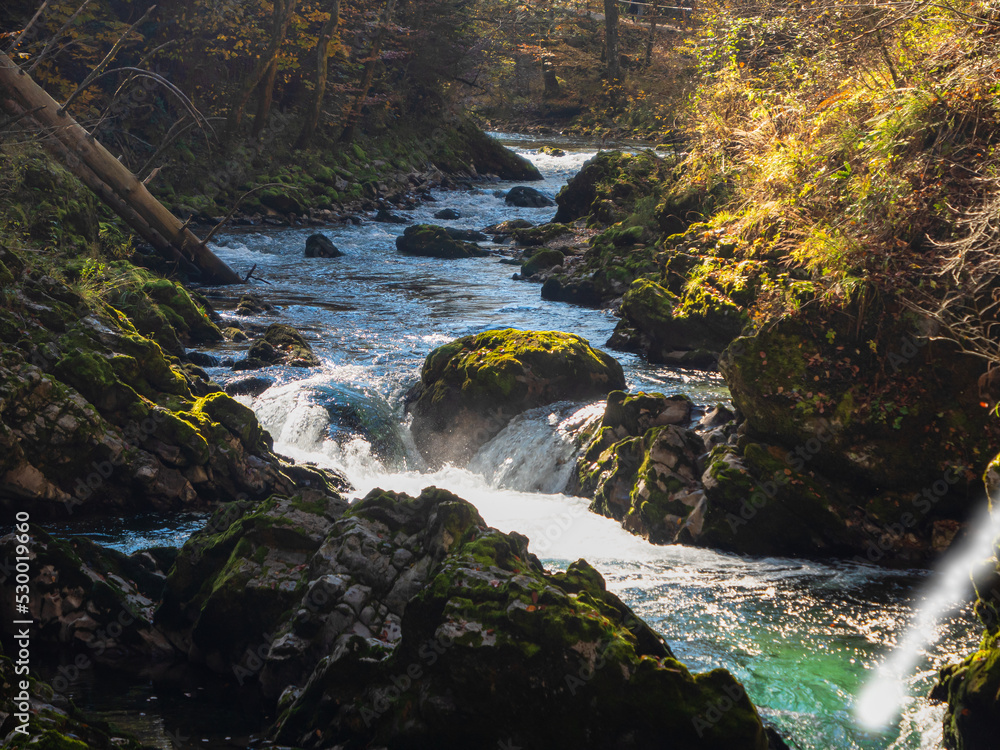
[(801, 636)]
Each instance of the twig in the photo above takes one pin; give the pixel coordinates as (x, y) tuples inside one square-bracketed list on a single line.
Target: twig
[(13, 120), (96, 72), (17, 42), (232, 211), (55, 38)]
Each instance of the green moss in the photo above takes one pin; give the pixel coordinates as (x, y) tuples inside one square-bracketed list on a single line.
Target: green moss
[(540, 261)]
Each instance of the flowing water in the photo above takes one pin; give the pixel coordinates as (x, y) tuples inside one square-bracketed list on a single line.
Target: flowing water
[(802, 636)]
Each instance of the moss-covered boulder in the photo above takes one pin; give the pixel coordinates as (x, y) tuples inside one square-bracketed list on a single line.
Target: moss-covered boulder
[(971, 687), (613, 177), (508, 227), (795, 380), (160, 309), (689, 331), (641, 467), (280, 345), (553, 659), (466, 148), (541, 261), (233, 583), (94, 414), (541, 235), (867, 445), (469, 389), (435, 242)]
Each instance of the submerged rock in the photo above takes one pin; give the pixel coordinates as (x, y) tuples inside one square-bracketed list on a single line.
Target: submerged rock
[(49, 719), (402, 622), (385, 216), (526, 197), (448, 214), (436, 242), (253, 304), (469, 389), (320, 246)]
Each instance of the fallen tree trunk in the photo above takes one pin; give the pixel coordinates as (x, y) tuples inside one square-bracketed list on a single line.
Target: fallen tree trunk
[(110, 180)]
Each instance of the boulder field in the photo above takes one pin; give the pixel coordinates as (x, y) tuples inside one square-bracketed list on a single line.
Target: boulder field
[(399, 622)]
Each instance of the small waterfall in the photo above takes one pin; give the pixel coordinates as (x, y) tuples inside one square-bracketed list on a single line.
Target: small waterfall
[(537, 451), (885, 694), (332, 424)]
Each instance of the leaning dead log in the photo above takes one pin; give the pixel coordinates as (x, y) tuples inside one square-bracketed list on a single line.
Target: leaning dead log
[(110, 180)]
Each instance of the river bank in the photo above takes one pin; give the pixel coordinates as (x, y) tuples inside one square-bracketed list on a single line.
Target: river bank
[(336, 416)]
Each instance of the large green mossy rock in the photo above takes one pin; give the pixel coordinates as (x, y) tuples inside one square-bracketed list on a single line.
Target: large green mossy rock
[(471, 388), (95, 414), (435, 242), (689, 331), (850, 447), (971, 687), (553, 660), (541, 261), (611, 177), (540, 235), (895, 419)]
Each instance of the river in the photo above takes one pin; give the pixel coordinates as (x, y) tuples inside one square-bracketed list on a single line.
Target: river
[(801, 635)]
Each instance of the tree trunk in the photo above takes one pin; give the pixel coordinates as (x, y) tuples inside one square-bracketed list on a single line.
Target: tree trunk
[(282, 18), (322, 71), (265, 98), (110, 180), (366, 83), (611, 41), (652, 33), (550, 80)]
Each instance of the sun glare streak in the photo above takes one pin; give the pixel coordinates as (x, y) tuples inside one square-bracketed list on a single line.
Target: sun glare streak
[(881, 699)]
